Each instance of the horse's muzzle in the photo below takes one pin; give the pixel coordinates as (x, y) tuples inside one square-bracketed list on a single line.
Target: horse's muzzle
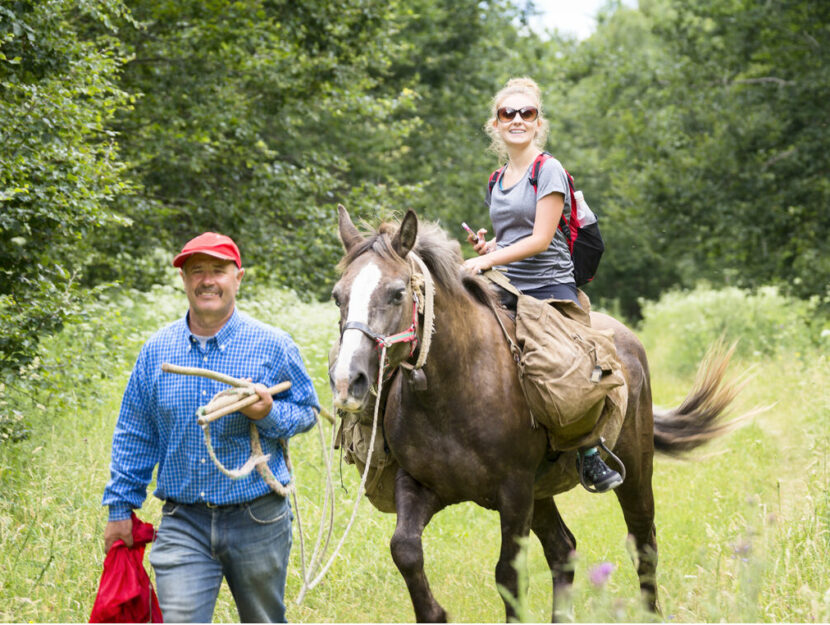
[(350, 392)]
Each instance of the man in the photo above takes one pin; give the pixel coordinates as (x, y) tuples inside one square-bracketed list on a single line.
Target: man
[(212, 526)]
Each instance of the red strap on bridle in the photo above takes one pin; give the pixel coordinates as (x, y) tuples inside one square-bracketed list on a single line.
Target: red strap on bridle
[(410, 335)]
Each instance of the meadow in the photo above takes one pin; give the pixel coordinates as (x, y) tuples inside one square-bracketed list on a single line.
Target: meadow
[(743, 526)]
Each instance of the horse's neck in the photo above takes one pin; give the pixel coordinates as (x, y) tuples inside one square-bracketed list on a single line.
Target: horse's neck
[(460, 326)]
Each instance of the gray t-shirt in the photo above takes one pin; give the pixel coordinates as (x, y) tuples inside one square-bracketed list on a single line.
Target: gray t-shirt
[(513, 212)]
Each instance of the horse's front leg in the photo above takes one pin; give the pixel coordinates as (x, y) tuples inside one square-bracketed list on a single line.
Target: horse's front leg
[(415, 505), (515, 511)]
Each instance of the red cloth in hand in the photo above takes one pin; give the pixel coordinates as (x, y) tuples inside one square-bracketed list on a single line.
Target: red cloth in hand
[(125, 594)]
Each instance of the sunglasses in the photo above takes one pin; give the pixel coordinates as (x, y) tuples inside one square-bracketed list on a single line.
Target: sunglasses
[(528, 113)]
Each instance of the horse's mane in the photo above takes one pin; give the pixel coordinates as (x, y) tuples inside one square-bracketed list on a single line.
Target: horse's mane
[(440, 253)]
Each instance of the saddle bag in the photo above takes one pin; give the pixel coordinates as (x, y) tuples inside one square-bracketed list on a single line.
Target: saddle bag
[(567, 368), (354, 437)]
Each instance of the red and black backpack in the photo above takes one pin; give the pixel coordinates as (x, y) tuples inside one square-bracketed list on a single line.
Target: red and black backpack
[(581, 230)]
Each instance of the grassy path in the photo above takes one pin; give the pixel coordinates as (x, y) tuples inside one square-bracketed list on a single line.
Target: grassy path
[(743, 530)]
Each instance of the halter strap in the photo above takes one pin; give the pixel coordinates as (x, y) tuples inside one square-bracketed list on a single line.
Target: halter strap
[(410, 335), (420, 282), (428, 310)]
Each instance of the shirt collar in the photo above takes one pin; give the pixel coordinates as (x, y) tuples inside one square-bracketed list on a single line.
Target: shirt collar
[(223, 336)]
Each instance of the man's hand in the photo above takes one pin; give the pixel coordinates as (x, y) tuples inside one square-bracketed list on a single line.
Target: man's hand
[(118, 530), (260, 409)]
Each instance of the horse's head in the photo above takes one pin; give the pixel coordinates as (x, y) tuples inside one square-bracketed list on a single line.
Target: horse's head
[(376, 301)]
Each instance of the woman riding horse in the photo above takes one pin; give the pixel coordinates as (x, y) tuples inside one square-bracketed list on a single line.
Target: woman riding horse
[(458, 425)]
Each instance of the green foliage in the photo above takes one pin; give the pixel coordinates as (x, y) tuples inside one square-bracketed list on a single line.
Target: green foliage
[(765, 323), (697, 130), (249, 119), (59, 164), (77, 363), (755, 80)]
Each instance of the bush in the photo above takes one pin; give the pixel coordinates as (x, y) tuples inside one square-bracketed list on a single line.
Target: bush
[(682, 324), (99, 342)]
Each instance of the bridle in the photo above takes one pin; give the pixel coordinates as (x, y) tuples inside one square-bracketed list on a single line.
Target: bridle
[(420, 283), (410, 335)]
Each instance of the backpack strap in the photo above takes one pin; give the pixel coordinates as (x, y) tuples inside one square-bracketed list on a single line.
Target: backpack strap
[(568, 227), (494, 178), (536, 167)]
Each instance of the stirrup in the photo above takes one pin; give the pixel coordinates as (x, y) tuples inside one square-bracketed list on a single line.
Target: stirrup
[(581, 473)]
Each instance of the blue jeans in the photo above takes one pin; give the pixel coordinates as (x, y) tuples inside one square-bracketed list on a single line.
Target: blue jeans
[(558, 291), (248, 544)]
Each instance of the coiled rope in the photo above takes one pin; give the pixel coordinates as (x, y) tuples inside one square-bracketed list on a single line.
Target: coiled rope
[(230, 400)]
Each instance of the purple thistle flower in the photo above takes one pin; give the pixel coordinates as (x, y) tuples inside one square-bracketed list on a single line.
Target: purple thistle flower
[(599, 574)]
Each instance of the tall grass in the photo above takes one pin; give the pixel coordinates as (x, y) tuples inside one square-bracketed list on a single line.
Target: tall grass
[(743, 529)]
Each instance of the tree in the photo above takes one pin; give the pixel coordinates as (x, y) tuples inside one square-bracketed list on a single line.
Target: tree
[(698, 131), (249, 117), (755, 80), (59, 163)]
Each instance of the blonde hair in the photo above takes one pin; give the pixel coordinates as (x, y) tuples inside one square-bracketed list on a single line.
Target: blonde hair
[(524, 86)]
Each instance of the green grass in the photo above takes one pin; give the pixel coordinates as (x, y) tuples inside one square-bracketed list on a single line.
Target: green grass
[(743, 529)]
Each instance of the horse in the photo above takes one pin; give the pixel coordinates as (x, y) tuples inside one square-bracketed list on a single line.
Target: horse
[(458, 424)]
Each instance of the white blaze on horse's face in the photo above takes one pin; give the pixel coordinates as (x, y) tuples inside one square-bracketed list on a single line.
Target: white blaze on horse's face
[(363, 287)]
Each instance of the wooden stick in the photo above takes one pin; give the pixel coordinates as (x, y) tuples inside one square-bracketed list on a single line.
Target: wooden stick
[(247, 401), (226, 379), (205, 373), (325, 413)]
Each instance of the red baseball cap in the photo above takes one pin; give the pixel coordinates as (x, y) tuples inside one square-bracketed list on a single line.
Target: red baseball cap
[(212, 244)]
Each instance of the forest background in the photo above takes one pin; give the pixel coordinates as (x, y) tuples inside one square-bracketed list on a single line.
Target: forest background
[(697, 129)]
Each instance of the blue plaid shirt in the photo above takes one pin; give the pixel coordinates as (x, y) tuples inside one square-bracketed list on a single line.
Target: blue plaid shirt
[(157, 423)]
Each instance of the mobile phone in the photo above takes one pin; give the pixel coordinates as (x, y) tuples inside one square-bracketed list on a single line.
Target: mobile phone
[(470, 232)]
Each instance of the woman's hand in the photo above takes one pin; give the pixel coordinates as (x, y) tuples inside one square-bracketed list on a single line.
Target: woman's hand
[(480, 264), (484, 246)]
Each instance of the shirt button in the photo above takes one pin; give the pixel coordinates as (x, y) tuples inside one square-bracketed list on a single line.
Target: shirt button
[(204, 392), (202, 494), (203, 461), (204, 359)]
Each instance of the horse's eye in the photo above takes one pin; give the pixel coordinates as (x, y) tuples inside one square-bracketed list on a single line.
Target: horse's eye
[(396, 296), (336, 299)]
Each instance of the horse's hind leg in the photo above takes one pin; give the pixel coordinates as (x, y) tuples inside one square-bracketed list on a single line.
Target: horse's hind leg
[(637, 501), (558, 543), (415, 505)]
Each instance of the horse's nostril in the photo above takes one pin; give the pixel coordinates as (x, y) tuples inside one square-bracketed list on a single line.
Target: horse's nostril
[(359, 386)]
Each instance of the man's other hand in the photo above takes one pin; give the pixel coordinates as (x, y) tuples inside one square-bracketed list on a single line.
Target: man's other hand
[(118, 530)]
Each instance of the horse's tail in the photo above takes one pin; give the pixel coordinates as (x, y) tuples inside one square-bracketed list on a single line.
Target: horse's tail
[(700, 417)]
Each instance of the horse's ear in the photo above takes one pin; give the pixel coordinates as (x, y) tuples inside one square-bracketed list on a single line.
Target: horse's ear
[(404, 239), (349, 235)]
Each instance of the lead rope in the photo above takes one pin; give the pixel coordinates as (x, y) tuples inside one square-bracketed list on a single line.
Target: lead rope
[(421, 283), (329, 496), (308, 585)]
